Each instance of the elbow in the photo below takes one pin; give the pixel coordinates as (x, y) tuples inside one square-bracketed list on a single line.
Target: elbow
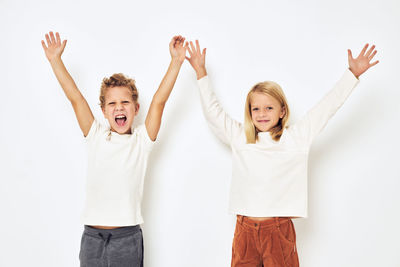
[(159, 102)]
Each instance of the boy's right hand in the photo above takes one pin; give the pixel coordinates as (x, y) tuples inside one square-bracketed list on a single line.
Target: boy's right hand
[(197, 59), (54, 47)]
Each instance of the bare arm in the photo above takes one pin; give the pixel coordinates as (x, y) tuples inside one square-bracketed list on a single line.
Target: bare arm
[(154, 115), (53, 51)]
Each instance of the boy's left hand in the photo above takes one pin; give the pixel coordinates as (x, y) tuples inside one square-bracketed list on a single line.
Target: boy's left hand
[(177, 49), (362, 63)]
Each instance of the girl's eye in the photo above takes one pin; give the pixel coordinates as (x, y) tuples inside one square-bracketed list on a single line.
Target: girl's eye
[(255, 108), (269, 108)]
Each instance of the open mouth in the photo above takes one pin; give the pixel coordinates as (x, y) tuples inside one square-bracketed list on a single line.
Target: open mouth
[(120, 120)]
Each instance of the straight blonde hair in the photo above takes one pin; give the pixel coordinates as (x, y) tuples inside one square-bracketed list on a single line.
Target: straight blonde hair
[(272, 89)]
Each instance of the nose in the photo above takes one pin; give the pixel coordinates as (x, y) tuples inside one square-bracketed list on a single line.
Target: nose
[(118, 107), (262, 113)]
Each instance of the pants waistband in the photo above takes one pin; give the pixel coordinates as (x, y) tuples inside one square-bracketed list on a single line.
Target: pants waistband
[(115, 233), (267, 223)]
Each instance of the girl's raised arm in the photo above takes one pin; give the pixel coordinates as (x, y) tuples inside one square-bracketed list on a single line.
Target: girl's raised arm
[(316, 118), (223, 126), (154, 115), (53, 51)]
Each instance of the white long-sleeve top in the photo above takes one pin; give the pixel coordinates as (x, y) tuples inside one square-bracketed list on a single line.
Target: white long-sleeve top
[(269, 178)]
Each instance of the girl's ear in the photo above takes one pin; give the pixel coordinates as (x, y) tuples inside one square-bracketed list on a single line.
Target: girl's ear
[(283, 112)]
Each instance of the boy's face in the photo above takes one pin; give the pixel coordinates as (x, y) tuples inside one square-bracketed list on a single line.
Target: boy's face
[(120, 109), (265, 111)]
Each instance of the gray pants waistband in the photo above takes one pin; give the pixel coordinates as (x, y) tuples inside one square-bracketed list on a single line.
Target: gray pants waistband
[(115, 233)]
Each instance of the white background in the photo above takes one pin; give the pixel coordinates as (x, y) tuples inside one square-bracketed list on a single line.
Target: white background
[(354, 170)]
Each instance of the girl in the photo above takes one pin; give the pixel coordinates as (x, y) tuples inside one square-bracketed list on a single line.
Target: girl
[(269, 177), (117, 159)]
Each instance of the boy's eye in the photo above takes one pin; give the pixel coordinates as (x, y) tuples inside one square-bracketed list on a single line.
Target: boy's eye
[(255, 108), (124, 102), (269, 108)]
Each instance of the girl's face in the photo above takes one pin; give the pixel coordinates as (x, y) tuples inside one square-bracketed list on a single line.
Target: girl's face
[(265, 111), (120, 109)]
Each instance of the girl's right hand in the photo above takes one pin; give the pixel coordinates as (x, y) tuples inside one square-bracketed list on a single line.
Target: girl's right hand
[(54, 47), (197, 59)]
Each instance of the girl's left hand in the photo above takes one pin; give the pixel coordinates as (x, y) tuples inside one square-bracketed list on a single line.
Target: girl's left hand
[(176, 48), (362, 63)]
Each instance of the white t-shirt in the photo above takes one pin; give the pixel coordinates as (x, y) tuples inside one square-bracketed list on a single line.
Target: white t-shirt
[(116, 170), (269, 178)]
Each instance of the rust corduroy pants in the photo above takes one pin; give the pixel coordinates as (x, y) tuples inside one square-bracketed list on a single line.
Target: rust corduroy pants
[(267, 243)]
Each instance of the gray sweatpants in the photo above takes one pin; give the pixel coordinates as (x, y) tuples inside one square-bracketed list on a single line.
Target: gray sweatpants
[(120, 247)]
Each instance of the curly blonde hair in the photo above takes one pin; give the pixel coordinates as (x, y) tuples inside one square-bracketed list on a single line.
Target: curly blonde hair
[(117, 79)]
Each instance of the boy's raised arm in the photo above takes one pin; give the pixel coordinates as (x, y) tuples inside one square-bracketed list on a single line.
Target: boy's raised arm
[(53, 51), (154, 115)]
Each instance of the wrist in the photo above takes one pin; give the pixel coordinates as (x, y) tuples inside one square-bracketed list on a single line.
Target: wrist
[(55, 59), (356, 74), (201, 72), (177, 61)]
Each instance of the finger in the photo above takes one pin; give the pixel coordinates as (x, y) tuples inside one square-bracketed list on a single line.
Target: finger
[(44, 45), (189, 50), (364, 49), (182, 41), (48, 40), (173, 40), (192, 47), (373, 64), (349, 54), (58, 38), (187, 58), (172, 43), (64, 44), (370, 51), (204, 52), (53, 40), (372, 56), (197, 46)]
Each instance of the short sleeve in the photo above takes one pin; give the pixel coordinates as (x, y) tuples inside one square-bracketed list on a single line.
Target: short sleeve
[(94, 130), (144, 136)]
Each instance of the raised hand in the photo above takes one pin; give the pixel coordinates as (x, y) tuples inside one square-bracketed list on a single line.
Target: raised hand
[(362, 63), (176, 48), (197, 59), (54, 47)]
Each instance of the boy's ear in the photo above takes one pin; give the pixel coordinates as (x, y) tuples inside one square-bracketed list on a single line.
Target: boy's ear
[(137, 108)]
